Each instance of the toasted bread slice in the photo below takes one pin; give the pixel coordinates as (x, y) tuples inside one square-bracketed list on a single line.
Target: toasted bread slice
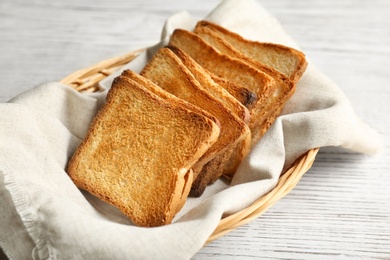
[(288, 61), (139, 151), (231, 69), (205, 79), (168, 72), (286, 87)]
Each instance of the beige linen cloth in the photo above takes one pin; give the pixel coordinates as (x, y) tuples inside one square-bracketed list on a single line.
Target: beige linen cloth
[(43, 214)]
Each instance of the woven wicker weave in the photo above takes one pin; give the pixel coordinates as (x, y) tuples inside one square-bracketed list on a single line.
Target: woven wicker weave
[(86, 80)]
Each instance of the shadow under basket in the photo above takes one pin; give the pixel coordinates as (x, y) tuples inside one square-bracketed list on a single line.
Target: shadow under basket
[(86, 80)]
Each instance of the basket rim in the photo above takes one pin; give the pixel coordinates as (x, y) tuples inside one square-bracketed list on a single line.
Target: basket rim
[(87, 79)]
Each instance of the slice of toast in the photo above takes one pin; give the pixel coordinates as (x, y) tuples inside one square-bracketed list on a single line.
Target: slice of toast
[(166, 70), (231, 69), (288, 61), (229, 162), (286, 87), (139, 151)]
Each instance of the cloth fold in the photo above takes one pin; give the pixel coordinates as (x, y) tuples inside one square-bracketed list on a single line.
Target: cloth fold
[(44, 216)]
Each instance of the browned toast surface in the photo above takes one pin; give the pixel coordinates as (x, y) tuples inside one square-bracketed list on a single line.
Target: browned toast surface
[(139, 151)]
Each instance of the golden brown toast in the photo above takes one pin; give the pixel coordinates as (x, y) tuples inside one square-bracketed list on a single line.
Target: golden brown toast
[(285, 85), (139, 151), (166, 70), (227, 163), (288, 61)]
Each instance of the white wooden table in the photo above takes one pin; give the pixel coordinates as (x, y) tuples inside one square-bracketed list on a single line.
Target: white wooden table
[(341, 207)]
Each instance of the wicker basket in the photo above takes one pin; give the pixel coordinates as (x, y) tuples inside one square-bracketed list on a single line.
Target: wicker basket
[(87, 79)]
